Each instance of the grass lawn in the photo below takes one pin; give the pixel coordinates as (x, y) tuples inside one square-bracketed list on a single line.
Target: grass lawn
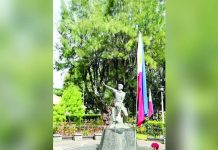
[(141, 136)]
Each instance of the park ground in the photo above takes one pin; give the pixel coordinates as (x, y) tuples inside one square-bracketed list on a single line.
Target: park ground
[(90, 144)]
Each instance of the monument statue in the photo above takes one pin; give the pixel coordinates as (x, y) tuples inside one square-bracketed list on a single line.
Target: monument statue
[(118, 136), (118, 107)]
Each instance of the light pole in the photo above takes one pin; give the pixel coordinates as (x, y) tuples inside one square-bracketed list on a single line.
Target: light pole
[(162, 103), (162, 92), (84, 95)]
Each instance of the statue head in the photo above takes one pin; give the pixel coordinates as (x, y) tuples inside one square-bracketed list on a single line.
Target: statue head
[(120, 86)]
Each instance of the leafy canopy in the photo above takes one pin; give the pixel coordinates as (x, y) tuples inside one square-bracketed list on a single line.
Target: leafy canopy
[(71, 104), (99, 43)]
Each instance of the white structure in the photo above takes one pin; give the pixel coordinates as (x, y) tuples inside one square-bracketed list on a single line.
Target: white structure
[(56, 99)]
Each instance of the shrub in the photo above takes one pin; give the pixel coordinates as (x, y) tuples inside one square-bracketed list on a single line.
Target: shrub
[(151, 128), (141, 136), (85, 132), (89, 118), (141, 130), (92, 116), (58, 117), (72, 103), (154, 128), (131, 120)]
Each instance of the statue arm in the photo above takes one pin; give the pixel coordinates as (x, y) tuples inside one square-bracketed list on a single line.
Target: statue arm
[(109, 87)]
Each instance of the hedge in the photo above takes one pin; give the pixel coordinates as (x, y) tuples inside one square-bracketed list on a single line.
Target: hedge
[(88, 117), (151, 128)]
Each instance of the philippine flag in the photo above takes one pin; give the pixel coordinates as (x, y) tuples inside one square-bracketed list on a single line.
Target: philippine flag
[(142, 100), (150, 105)]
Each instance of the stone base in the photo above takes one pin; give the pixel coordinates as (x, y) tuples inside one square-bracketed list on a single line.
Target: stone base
[(119, 125), (97, 136), (118, 139), (77, 137), (57, 137)]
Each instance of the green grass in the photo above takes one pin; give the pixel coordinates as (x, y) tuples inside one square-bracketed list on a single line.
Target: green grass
[(141, 136)]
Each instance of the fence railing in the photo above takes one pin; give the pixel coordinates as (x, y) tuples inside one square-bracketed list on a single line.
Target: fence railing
[(70, 129)]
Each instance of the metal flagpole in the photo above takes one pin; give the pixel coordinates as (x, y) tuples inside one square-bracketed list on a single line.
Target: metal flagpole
[(136, 95), (162, 92), (137, 88), (162, 103)]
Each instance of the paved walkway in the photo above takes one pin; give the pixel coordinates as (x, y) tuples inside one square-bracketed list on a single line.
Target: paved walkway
[(90, 144)]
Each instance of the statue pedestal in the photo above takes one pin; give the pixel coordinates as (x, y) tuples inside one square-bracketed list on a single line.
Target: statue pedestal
[(118, 139)]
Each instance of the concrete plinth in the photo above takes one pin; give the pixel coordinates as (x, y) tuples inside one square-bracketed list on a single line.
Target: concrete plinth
[(77, 137), (57, 137), (118, 139), (97, 136)]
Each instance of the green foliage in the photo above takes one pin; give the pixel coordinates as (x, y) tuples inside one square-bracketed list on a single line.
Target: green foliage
[(141, 130), (85, 132), (131, 120), (92, 117), (141, 136), (97, 122), (58, 92), (65, 128), (151, 128), (99, 43), (72, 102), (154, 128), (58, 116)]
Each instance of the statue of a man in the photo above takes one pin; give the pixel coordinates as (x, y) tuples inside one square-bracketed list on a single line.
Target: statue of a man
[(118, 104)]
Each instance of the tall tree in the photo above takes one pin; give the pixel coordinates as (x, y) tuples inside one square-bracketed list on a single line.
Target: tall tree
[(99, 43), (72, 102)]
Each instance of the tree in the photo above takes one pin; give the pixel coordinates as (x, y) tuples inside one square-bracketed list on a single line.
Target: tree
[(72, 102), (59, 115), (99, 43), (58, 92)]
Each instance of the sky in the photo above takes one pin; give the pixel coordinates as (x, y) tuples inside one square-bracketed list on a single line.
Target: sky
[(58, 76)]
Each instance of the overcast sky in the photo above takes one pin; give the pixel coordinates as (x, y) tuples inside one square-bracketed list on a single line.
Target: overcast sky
[(58, 76)]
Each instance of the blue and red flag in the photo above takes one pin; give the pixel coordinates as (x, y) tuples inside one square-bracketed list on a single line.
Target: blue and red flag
[(142, 100)]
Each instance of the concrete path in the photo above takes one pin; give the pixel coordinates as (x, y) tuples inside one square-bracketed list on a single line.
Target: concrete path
[(90, 144)]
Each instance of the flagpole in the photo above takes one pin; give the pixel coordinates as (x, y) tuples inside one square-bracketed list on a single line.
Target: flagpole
[(137, 82), (136, 101), (136, 97), (162, 103), (162, 93), (136, 94), (137, 70)]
